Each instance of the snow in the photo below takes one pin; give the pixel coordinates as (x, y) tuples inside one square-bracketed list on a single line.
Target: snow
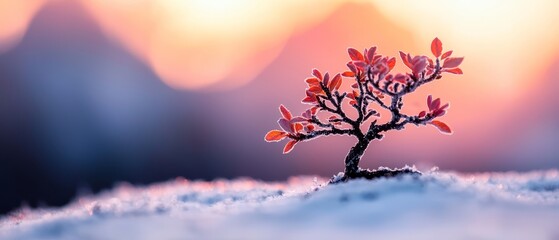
[(437, 205)]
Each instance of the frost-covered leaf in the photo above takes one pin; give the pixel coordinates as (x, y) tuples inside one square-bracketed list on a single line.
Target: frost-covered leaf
[(289, 146), (317, 73), (309, 128), (299, 119), (286, 125), (298, 127), (400, 78), (443, 128), (391, 63), (360, 64), (326, 79), (275, 136), (355, 55), (352, 67), (348, 74), (436, 47), (312, 81), (454, 70), (316, 90), (429, 101), (285, 113), (446, 54), (335, 83), (452, 62), (308, 100), (435, 104), (371, 54)]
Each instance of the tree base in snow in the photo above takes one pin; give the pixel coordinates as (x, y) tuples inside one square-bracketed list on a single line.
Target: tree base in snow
[(381, 172)]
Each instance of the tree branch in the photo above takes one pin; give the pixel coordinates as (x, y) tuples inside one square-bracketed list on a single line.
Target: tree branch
[(413, 120), (325, 132), (337, 105)]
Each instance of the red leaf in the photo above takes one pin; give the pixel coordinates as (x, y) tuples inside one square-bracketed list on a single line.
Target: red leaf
[(403, 56), (419, 64), (275, 136), (339, 84), (336, 82), (348, 74), (352, 95), (422, 114), (436, 47), (429, 101), (307, 114), (435, 104), (289, 146), (315, 89), (312, 81), (317, 73), (361, 65), (389, 77), (452, 62), (326, 79), (309, 128), (314, 110), (439, 113), (453, 70), (352, 67), (443, 128), (285, 113), (298, 127), (371, 54), (400, 78), (286, 125), (409, 61), (391, 63), (308, 99), (405, 59), (446, 54), (299, 119), (355, 55)]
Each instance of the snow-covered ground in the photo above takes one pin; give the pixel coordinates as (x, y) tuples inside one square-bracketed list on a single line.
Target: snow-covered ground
[(437, 205)]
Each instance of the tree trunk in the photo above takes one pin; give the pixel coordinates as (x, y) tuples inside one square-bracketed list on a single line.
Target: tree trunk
[(353, 157)]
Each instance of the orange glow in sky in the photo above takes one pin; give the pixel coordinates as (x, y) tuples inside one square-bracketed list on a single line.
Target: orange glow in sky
[(199, 43), (506, 41), (195, 44), (15, 16)]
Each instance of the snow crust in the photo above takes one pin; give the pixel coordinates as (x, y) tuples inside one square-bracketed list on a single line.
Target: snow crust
[(437, 205)]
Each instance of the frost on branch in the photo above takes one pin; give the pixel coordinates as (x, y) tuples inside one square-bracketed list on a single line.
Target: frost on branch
[(373, 87)]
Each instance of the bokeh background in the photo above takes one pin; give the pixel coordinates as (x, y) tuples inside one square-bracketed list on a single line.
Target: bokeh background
[(94, 92)]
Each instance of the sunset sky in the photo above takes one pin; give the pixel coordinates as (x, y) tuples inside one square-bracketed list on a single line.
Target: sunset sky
[(98, 91)]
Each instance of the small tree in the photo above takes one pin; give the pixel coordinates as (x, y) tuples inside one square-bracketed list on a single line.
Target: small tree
[(373, 83)]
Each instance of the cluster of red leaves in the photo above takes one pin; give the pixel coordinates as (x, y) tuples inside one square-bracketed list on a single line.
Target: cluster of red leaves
[(436, 110), (291, 126), (371, 71), (315, 85)]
